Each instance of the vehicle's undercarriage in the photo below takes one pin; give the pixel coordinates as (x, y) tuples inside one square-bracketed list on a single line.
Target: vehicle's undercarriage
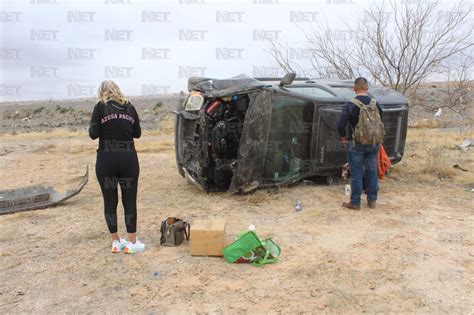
[(215, 140)]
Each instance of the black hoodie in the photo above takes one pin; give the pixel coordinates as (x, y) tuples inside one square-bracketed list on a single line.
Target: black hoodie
[(113, 123)]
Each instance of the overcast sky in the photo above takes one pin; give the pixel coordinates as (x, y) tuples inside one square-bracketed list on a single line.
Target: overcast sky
[(64, 49)]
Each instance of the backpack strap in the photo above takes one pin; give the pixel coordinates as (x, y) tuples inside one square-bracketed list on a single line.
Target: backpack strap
[(359, 104)]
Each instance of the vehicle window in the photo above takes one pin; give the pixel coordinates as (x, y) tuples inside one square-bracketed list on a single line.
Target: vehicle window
[(288, 150), (311, 91)]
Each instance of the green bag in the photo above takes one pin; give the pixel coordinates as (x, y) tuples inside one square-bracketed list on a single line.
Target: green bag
[(249, 248)]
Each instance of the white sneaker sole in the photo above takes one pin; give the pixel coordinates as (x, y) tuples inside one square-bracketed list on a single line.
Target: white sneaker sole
[(133, 251)]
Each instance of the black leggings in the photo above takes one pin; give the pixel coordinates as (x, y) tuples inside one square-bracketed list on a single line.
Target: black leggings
[(122, 168)]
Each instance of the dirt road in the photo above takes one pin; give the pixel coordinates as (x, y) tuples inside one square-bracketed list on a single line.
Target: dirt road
[(414, 253)]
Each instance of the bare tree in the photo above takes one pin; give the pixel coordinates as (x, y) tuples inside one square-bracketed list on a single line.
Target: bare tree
[(396, 45), (281, 56), (459, 86)]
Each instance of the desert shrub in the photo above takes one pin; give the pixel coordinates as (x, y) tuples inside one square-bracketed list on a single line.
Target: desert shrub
[(436, 162), (429, 123), (158, 105), (63, 110)]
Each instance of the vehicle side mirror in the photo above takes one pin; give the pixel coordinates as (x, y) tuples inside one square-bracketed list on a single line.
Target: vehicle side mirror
[(287, 79)]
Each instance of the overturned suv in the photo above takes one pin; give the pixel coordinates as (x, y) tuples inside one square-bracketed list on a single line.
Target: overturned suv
[(242, 133)]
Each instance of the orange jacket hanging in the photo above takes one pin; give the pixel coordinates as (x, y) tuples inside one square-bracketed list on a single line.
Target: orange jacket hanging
[(384, 163)]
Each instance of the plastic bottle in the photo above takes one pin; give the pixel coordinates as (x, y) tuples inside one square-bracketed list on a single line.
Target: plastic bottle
[(298, 206)]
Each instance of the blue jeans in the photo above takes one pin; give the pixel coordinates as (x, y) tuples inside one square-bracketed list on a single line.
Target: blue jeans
[(363, 166)]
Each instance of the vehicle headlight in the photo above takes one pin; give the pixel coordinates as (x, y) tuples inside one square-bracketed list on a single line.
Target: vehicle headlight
[(194, 102)]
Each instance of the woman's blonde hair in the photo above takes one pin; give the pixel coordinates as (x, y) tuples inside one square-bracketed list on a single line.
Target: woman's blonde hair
[(110, 91)]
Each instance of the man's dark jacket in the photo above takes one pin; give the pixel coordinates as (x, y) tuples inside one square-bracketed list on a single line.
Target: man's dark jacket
[(350, 113)]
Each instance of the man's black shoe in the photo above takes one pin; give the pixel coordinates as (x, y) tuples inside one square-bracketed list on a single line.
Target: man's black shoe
[(349, 205)]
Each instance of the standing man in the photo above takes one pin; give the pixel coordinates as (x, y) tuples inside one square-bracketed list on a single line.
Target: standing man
[(362, 138)]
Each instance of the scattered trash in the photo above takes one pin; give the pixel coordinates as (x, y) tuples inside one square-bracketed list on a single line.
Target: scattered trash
[(251, 227), (248, 248), (438, 113), (459, 167), (298, 206), (347, 189), (466, 144)]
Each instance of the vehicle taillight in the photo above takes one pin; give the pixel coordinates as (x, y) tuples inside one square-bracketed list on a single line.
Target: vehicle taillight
[(213, 106)]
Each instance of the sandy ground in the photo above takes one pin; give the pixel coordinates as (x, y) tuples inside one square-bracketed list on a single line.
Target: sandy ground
[(414, 253)]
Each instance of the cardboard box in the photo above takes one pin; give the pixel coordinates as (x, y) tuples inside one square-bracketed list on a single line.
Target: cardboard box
[(207, 238)]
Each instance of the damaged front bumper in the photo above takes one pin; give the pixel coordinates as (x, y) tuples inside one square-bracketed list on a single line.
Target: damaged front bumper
[(37, 197)]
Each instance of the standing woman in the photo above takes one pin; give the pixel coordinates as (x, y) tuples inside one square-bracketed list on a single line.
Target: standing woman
[(115, 122)]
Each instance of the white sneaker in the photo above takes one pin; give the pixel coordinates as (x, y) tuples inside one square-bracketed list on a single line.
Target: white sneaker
[(118, 246), (133, 248)]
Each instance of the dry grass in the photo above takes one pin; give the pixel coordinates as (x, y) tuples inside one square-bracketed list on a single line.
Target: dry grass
[(44, 135), (430, 123), (437, 162), (165, 127), (154, 146), (430, 155)]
